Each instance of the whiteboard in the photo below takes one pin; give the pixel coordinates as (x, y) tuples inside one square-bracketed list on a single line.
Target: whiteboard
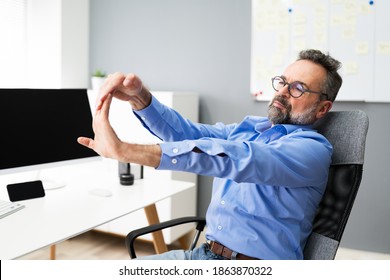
[(270, 50), (356, 32), (381, 92), (351, 38)]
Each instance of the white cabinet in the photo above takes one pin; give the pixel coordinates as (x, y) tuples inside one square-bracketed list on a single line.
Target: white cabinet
[(130, 129)]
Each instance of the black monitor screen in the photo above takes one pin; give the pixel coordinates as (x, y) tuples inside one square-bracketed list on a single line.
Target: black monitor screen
[(40, 126)]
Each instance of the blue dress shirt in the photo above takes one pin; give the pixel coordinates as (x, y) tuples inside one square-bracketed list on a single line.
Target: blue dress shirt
[(268, 181)]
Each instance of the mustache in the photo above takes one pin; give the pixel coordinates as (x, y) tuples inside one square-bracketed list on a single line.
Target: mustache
[(281, 100)]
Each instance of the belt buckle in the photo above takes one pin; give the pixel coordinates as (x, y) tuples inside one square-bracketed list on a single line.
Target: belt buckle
[(210, 243), (215, 247), (234, 255)]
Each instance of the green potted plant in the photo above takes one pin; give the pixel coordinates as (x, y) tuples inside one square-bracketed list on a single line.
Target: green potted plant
[(98, 78)]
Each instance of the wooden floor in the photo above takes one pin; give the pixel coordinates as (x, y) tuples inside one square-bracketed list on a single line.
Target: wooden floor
[(94, 245)]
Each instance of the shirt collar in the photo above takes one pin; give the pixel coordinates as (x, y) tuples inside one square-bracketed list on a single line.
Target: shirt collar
[(284, 128), (292, 127)]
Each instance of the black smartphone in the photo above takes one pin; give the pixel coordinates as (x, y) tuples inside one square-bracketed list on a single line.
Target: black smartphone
[(25, 190)]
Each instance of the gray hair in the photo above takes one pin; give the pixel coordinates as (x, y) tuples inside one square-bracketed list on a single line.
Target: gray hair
[(333, 81)]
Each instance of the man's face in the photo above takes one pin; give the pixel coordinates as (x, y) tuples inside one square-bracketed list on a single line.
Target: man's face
[(305, 109)]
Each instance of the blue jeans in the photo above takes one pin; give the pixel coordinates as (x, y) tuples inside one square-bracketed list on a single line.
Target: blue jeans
[(201, 253)]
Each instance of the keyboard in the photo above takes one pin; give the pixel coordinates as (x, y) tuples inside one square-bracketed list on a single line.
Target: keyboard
[(8, 207)]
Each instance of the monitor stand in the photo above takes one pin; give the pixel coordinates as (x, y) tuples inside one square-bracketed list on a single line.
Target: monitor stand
[(48, 182)]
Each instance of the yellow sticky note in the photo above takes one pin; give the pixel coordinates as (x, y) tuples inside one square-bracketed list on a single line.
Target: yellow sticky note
[(362, 48), (383, 48), (351, 67)]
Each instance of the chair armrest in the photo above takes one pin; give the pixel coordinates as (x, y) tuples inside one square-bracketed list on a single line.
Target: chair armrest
[(133, 235), (320, 247)]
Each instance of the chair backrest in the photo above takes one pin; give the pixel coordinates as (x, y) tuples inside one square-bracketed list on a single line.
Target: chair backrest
[(346, 131)]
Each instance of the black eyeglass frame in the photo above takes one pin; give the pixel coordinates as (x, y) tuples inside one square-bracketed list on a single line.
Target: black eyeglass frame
[(296, 82)]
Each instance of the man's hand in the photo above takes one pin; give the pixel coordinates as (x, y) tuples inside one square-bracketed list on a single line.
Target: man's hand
[(126, 88), (106, 143)]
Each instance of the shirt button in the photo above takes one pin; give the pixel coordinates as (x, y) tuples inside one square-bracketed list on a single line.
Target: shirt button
[(175, 150), (223, 202), (174, 161), (219, 227)]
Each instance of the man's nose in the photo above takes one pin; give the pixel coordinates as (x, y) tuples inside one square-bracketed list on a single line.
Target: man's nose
[(283, 91)]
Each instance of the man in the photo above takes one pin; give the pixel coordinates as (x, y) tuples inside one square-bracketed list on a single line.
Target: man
[(270, 173)]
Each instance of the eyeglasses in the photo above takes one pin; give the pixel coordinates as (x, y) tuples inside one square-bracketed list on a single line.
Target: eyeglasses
[(295, 89)]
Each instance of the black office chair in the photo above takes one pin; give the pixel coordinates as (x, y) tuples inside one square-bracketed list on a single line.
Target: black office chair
[(347, 131)]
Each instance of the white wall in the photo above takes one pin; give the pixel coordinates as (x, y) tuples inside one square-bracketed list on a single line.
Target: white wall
[(58, 43)]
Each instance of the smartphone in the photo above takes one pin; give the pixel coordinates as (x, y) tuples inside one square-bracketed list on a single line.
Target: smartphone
[(25, 190)]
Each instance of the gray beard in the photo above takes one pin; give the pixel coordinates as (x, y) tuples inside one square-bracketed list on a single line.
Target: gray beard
[(277, 116)]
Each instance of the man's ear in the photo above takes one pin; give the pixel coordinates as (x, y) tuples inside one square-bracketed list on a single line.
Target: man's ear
[(324, 108)]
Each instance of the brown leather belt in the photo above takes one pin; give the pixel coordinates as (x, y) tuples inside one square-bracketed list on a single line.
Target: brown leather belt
[(225, 252)]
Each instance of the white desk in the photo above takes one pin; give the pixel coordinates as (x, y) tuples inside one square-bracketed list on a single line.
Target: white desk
[(69, 211)]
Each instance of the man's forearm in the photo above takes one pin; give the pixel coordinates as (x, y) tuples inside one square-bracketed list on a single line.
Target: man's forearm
[(148, 155)]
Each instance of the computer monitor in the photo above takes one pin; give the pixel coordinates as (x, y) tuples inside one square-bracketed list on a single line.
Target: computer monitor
[(39, 128)]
